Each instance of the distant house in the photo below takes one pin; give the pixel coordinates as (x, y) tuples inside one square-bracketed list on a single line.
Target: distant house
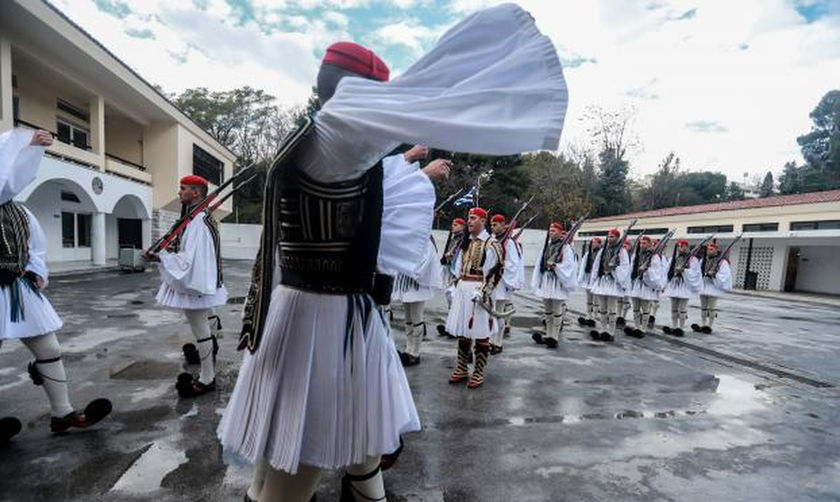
[(110, 179), (791, 242)]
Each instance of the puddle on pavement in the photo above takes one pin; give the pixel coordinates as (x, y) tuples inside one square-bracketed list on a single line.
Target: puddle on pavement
[(147, 370), (147, 472), (236, 300), (736, 397)]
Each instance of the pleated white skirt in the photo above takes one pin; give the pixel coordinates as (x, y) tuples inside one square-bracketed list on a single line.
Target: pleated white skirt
[(168, 297), (679, 288), (325, 388), (642, 291), (550, 288), (463, 310), (39, 317), (408, 290), (607, 286)]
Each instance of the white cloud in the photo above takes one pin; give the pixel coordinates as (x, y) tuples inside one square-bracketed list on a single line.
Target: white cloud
[(409, 33)]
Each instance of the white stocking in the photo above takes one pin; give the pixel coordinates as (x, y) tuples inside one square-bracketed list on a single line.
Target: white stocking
[(372, 488), (46, 348), (258, 480), (713, 312), (280, 486), (201, 331)]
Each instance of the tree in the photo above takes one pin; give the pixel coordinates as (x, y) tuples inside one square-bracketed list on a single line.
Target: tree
[(766, 189), (821, 146), (557, 184), (733, 192), (612, 133), (790, 182)]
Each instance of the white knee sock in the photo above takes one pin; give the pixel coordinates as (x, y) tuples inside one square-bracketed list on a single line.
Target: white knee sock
[(258, 480), (280, 485), (372, 488), (201, 331), (46, 348)]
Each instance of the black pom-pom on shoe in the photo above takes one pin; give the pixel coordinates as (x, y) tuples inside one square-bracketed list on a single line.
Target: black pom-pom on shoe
[(695, 327), (537, 338), (551, 343), (9, 427), (706, 329)]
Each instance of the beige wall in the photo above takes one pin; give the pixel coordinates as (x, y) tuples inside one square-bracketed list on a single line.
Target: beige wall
[(6, 110), (124, 138), (783, 215), (186, 140), (38, 101), (160, 148)]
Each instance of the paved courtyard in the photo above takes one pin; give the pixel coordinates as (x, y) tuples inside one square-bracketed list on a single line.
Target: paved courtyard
[(751, 412)]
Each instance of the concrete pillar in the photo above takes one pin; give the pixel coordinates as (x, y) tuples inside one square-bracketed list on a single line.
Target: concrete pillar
[(97, 129), (97, 238), (146, 228), (6, 92)]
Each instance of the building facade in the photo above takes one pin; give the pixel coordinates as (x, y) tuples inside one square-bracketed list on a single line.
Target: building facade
[(790, 243), (110, 179)]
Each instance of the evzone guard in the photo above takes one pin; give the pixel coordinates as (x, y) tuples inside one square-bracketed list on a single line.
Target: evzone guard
[(25, 312), (609, 280), (457, 234), (414, 290), (684, 283), (192, 281), (717, 282), (321, 386), (647, 278), (511, 280), (475, 262), (553, 280), (625, 304), (584, 275)]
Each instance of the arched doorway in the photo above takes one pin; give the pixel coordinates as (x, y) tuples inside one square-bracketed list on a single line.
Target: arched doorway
[(65, 212), (129, 224)]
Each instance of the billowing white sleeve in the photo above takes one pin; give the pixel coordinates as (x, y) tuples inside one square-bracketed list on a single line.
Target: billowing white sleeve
[(621, 274), (596, 265), (19, 162), (37, 263), (493, 85), (193, 268), (408, 206), (656, 276), (693, 275), (511, 275), (566, 269), (581, 275), (536, 275), (723, 278)]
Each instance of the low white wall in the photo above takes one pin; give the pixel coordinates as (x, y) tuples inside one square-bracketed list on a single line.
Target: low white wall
[(240, 241), (817, 270)]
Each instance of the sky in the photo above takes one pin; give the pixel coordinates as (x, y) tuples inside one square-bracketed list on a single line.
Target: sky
[(727, 85)]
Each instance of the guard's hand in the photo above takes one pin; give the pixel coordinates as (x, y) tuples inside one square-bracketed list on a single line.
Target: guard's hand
[(40, 283), (438, 169), (151, 257), (41, 138), (415, 153)]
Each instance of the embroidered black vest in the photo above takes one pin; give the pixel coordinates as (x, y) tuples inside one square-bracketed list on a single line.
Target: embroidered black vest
[(14, 242), (325, 236)]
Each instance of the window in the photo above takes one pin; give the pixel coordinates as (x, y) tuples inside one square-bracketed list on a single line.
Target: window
[(760, 227), (711, 229), (207, 166), (69, 197), (68, 230), (816, 225), (83, 226), (72, 110), (596, 233), (72, 134), (649, 231)]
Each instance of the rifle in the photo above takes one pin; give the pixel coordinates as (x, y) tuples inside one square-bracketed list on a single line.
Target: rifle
[(620, 244), (449, 199), (178, 228), (723, 254), (696, 249), (570, 235), (521, 229), (658, 249), (512, 222)]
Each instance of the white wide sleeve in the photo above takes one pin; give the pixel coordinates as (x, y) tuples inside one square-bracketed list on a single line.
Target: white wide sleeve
[(621, 274), (596, 265), (536, 275), (511, 276), (407, 216), (581, 275), (492, 85), (19, 162), (193, 268), (37, 263), (723, 278), (565, 270), (656, 276), (693, 275)]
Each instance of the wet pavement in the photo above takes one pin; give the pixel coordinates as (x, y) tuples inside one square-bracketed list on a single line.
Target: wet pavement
[(747, 413)]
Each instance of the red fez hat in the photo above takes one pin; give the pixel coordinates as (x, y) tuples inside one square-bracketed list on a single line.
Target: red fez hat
[(645, 238), (614, 231), (498, 218), (713, 245), (357, 59), (481, 213), (597, 239), (682, 242), (459, 221), (193, 179), (557, 225)]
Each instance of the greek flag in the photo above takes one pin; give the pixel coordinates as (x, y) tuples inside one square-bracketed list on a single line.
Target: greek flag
[(466, 199)]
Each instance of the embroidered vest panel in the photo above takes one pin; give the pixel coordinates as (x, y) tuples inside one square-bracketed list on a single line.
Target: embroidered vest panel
[(329, 232), (472, 262), (14, 241)]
